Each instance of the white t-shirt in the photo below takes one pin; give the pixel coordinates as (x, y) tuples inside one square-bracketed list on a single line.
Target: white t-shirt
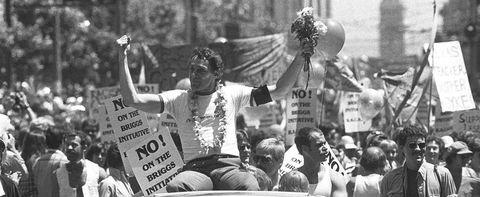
[(177, 103)]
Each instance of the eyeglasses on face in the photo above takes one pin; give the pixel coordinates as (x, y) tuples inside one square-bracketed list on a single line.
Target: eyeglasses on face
[(414, 145), (262, 158)]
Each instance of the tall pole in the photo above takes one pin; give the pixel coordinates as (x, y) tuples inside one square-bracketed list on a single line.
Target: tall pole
[(58, 57), (473, 47)]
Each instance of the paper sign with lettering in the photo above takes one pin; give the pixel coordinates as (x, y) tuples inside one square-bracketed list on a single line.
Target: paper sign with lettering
[(301, 111), (294, 160), (351, 115), (451, 77), (443, 122), (466, 120), (167, 120), (269, 118), (291, 161), (130, 125), (155, 162), (96, 97), (105, 126)]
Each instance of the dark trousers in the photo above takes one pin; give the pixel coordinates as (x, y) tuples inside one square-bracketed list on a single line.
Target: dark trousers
[(216, 172)]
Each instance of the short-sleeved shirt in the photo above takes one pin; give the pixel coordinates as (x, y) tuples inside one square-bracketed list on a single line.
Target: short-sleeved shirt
[(177, 103)]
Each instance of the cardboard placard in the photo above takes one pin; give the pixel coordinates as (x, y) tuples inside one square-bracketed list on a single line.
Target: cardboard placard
[(105, 126), (130, 126), (291, 161), (168, 121), (466, 120), (443, 122), (451, 77), (155, 162), (351, 115), (301, 111), (294, 160)]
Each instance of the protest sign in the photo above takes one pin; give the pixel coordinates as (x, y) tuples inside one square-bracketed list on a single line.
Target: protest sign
[(301, 111), (451, 77), (291, 161), (351, 115), (466, 120), (155, 162), (294, 160), (167, 120), (443, 122), (105, 127), (130, 126), (270, 117), (423, 113), (96, 97)]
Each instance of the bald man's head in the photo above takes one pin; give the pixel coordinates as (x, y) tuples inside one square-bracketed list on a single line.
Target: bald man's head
[(373, 158)]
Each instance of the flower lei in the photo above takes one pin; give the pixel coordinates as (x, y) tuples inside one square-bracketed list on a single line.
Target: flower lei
[(220, 104)]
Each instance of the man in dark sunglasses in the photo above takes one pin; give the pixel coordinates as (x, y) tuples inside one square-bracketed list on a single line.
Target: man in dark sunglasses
[(416, 178)]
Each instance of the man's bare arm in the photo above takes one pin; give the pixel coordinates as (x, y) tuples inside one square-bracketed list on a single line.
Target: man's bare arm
[(288, 78), (150, 103)]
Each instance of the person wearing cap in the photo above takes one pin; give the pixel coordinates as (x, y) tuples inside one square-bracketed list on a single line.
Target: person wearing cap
[(416, 177), (457, 157), (350, 159)]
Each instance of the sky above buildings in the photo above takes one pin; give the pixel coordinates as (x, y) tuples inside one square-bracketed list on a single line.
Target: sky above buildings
[(361, 20)]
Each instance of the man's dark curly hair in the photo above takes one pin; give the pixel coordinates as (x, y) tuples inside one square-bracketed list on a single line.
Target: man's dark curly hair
[(409, 131), (214, 60)]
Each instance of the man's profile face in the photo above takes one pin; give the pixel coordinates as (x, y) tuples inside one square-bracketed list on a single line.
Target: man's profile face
[(317, 149), (74, 150), (202, 77), (414, 150)]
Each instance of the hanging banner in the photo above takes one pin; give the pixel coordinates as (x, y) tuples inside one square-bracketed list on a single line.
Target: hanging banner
[(155, 162), (130, 126), (451, 77), (351, 115), (301, 112)]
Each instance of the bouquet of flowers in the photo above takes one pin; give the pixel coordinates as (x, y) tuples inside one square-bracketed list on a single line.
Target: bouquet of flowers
[(308, 31)]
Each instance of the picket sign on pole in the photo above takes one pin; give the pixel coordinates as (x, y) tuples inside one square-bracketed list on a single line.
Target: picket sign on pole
[(96, 102), (155, 161), (301, 112), (130, 126), (451, 77), (105, 126), (352, 119)]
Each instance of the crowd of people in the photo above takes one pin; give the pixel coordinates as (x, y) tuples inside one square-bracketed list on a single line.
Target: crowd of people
[(50, 147)]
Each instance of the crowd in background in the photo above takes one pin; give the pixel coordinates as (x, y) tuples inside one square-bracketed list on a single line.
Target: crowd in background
[(50, 141)]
